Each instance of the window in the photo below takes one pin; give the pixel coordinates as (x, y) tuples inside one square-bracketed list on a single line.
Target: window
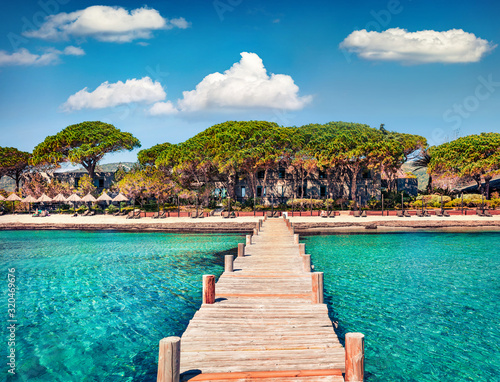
[(101, 183), (281, 173), (260, 175), (367, 174), (322, 175), (322, 191), (77, 180), (259, 191), (243, 191)]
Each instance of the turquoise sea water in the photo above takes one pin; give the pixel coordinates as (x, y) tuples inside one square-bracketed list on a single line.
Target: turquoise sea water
[(92, 306), (428, 303)]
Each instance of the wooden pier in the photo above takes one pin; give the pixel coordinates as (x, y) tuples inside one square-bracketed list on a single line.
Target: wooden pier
[(264, 320)]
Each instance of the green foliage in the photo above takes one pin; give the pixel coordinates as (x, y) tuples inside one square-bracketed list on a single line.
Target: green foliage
[(149, 156), (85, 143), (86, 185), (13, 163), (473, 156)]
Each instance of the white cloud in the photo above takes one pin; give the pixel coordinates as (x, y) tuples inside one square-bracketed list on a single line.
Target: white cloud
[(163, 108), (105, 95), (104, 23), (245, 85), (428, 46), (24, 57)]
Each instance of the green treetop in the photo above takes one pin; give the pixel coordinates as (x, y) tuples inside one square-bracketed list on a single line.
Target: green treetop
[(85, 143)]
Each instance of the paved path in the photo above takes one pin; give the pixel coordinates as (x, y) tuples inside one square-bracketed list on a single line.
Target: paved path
[(264, 325)]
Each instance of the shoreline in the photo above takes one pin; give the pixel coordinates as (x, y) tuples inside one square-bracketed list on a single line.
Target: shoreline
[(245, 225)]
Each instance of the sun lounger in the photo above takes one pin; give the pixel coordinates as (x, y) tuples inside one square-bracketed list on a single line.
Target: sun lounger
[(487, 214), (86, 213), (439, 213), (445, 214), (323, 214), (400, 214), (117, 213), (232, 215), (363, 214), (225, 214), (356, 214), (156, 215), (91, 213), (331, 214), (479, 212), (201, 215), (194, 215), (420, 214), (35, 215), (162, 215), (406, 214)]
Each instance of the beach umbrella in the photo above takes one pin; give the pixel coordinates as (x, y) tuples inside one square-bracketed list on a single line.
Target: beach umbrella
[(59, 198), (29, 199), (2, 198), (73, 198), (104, 198), (88, 199), (120, 198), (13, 198), (44, 199)]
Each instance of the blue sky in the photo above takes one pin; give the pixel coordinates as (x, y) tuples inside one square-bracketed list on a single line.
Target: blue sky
[(423, 67)]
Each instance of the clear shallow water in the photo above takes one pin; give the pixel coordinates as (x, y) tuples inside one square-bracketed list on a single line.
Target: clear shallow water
[(428, 303), (92, 306)]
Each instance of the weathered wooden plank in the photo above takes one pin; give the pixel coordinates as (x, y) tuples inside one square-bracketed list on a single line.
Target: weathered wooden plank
[(263, 319)]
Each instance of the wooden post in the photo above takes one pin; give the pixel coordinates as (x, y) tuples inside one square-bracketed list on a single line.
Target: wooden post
[(249, 240), (208, 289), (257, 226), (241, 250), (255, 232), (306, 260), (296, 238), (302, 249), (317, 287), (228, 263), (260, 223), (169, 360), (354, 357)]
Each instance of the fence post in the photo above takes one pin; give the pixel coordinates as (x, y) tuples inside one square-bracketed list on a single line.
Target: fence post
[(255, 232), (306, 260), (208, 289), (354, 357), (302, 249), (317, 287), (296, 238), (241, 250), (228, 263), (169, 360), (249, 239)]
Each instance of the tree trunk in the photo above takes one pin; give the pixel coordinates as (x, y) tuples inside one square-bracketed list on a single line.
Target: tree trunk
[(487, 179)]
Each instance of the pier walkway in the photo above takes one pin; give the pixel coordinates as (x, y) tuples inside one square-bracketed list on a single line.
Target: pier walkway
[(264, 320)]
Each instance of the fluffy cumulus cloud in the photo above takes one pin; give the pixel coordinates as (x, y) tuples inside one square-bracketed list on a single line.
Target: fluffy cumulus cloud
[(245, 85), (105, 95), (428, 46), (104, 23), (25, 57)]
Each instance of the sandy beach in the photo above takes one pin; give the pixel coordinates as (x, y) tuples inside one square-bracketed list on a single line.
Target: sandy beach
[(304, 224)]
